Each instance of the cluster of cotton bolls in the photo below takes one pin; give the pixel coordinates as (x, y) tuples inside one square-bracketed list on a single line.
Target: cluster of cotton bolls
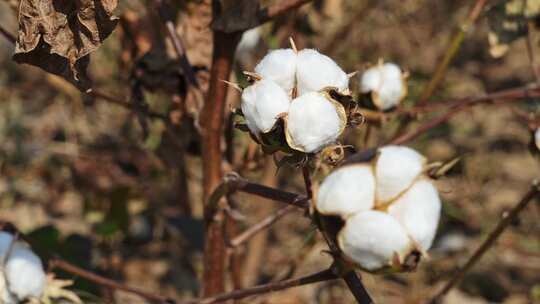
[(386, 84), (294, 86), (390, 208), (21, 272)]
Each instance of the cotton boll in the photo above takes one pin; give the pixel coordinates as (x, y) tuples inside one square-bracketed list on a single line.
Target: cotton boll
[(387, 84), (316, 71), (24, 273), (262, 103), (5, 242), (346, 191), (537, 138), (249, 41), (373, 240), (418, 210), (313, 122), (396, 169), (280, 66)]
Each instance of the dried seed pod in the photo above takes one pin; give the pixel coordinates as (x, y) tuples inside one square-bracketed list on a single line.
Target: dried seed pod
[(314, 121), (418, 210), (375, 241), (23, 270), (396, 168), (347, 191), (262, 103), (315, 72), (280, 66), (386, 83)]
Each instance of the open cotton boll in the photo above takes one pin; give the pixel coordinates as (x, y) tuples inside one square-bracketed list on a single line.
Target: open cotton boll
[(316, 71), (5, 242), (262, 102), (396, 169), (280, 66), (347, 191), (537, 138), (387, 84), (24, 273), (313, 122), (418, 210), (372, 239), (249, 41)]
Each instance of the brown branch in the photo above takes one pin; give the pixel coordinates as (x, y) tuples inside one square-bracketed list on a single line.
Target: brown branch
[(127, 105), (534, 192), (260, 226), (9, 37), (279, 8), (321, 276), (307, 182), (463, 104), (90, 276)]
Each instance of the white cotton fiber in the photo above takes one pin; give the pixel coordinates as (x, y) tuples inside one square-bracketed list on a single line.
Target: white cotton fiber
[(537, 138), (418, 210), (372, 239), (313, 122), (395, 170), (262, 102), (316, 71), (24, 272), (387, 84), (347, 191), (280, 66)]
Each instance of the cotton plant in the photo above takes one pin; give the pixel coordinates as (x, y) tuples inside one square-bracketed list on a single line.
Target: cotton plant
[(22, 277), (294, 101), (386, 84), (390, 209)]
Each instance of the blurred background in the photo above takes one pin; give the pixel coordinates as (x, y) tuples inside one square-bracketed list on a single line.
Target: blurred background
[(119, 193)]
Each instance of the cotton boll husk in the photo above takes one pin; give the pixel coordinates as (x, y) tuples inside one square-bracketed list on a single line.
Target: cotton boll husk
[(262, 103), (316, 71), (24, 273), (280, 66), (347, 191), (418, 210), (373, 239), (387, 84), (537, 138), (396, 169), (314, 121)]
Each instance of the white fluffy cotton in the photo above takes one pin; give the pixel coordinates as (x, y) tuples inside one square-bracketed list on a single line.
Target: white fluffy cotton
[(386, 83), (418, 210), (316, 71), (249, 41), (347, 191), (537, 138), (280, 66), (262, 102), (396, 169), (371, 239), (23, 270), (312, 123)]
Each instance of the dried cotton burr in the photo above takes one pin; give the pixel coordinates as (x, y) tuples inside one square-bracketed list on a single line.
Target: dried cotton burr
[(22, 276), (386, 83), (390, 210)]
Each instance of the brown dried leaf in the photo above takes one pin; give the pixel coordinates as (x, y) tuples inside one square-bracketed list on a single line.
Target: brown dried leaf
[(59, 35)]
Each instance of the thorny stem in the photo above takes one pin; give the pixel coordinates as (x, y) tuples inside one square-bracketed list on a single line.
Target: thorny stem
[(90, 276), (534, 192), (321, 276), (260, 226)]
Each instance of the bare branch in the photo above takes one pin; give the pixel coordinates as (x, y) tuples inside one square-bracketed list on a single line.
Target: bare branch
[(9, 37), (280, 8), (260, 226), (534, 192)]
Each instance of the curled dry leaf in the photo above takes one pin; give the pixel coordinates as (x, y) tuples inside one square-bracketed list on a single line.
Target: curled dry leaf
[(58, 36)]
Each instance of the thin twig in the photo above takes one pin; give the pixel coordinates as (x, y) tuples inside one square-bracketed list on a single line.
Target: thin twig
[(90, 276), (307, 182), (126, 104), (451, 52), (279, 8), (260, 226), (322, 276), (491, 239), (9, 37)]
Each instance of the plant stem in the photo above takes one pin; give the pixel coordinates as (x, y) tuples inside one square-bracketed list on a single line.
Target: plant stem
[(534, 192), (321, 276), (307, 181)]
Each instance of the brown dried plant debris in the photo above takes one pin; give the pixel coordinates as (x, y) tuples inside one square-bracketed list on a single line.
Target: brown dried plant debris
[(58, 36)]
